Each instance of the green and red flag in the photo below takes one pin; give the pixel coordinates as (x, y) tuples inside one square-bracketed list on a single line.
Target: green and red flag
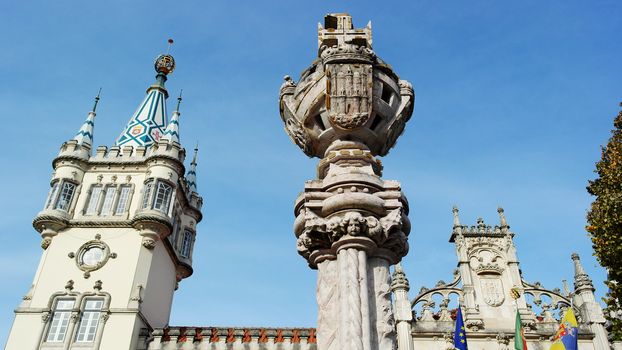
[(519, 335)]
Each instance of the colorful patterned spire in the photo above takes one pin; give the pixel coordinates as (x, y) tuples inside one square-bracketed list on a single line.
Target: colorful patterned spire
[(191, 177), (85, 134), (171, 134), (147, 124)]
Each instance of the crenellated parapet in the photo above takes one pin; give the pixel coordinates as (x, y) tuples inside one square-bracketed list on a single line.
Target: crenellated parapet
[(227, 338)]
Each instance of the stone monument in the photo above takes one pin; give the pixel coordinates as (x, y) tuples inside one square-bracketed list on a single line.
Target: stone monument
[(347, 108)]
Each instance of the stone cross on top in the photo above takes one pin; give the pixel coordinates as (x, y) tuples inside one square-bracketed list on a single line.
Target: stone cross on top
[(338, 29)]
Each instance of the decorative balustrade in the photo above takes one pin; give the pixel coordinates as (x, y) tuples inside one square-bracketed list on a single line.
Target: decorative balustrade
[(199, 338)]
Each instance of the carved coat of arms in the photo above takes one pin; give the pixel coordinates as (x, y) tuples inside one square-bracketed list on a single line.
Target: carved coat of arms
[(349, 94), (492, 291)]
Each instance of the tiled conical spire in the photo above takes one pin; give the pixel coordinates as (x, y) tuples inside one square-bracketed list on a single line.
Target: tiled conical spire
[(191, 177), (149, 121), (171, 134), (85, 134)]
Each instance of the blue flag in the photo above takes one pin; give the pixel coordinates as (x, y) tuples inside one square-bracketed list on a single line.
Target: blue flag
[(460, 341)]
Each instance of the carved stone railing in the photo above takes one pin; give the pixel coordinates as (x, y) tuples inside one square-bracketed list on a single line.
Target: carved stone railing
[(548, 313), (433, 317), (198, 338)]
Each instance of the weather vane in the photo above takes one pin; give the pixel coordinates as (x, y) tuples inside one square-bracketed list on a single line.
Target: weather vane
[(170, 43), (165, 63)]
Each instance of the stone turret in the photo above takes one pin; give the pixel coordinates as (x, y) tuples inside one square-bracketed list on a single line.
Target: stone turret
[(69, 169), (402, 308), (346, 109), (488, 268), (585, 300)]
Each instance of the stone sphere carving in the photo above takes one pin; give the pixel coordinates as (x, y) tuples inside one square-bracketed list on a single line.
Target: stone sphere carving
[(347, 94)]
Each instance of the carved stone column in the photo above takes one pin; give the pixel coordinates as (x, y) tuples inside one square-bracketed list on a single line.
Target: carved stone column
[(351, 225)]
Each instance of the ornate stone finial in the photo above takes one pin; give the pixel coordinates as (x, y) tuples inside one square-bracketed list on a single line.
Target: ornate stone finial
[(455, 212), (338, 29), (566, 288), (399, 280), (98, 285), (347, 108), (581, 278), (349, 94), (481, 226), (69, 286), (502, 221)]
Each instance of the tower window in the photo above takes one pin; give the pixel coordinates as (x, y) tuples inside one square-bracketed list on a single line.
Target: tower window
[(65, 196), (108, 200), (60, 320), (124, 195), (52, 195), (157, 195), (91, 207), (163, 197), (90, 320), (186, 244), (147, 194), (176, 229)]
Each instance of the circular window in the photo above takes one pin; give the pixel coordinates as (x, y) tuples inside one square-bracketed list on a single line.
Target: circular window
[(92, 255)]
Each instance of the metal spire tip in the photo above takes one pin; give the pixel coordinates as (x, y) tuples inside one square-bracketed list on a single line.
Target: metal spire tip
[(97, 99)]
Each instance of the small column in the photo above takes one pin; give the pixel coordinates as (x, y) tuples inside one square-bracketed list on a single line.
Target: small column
[(402, 309)]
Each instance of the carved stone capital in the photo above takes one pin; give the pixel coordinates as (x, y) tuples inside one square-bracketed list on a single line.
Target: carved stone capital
[(379, 237)]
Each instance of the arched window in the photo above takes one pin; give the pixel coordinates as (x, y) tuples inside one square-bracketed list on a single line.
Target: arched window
[(186, 245), (91, 207), (52, 195), (157, 195), (61, 315), (65, 196), (124, 195), (90, 320), (60, 195), (147, 194), (109, 194)]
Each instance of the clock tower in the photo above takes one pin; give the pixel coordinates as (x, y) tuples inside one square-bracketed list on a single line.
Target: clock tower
[(117, 233)]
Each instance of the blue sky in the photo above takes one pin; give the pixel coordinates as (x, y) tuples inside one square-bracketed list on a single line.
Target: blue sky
[(513, 100)]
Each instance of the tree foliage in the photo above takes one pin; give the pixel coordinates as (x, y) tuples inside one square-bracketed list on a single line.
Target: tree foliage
[(605, 223)]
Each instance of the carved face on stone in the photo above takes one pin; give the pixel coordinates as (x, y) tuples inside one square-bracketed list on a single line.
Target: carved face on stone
[(353, 223)]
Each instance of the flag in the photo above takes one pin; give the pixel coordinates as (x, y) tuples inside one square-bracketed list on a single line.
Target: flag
[(566, 337), (519, 335), (460, 341)]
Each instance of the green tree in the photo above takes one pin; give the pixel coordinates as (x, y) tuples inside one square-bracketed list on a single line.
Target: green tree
[(605, 222)]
